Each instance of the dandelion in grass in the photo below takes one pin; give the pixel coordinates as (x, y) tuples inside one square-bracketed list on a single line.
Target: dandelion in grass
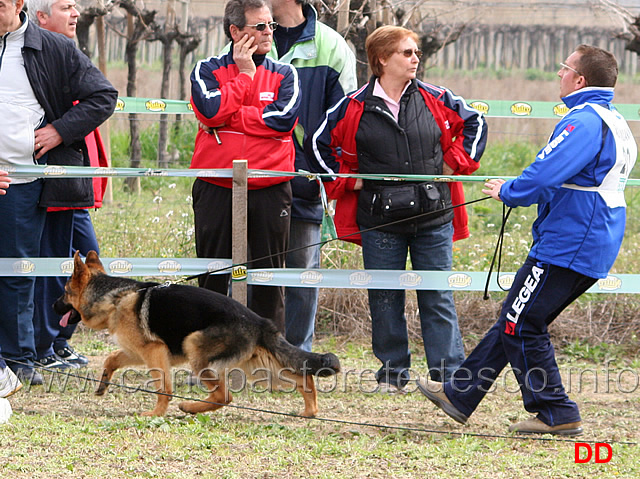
[(172, 186), (517, 226), (157, 199), (189, 199), (491, 225), (155, 220), (169, 214)]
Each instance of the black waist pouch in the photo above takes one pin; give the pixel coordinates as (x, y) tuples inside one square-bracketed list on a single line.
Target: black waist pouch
[(398, 202)]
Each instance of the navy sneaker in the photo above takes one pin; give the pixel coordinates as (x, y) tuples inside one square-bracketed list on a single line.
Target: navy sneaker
[(53, 362), (72, 357)]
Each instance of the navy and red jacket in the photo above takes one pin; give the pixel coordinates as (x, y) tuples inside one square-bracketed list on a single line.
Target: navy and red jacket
[(252, 118), (333, 149)]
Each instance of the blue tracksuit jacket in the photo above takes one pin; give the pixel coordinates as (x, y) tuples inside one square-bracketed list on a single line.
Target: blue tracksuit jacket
[(578, 182)]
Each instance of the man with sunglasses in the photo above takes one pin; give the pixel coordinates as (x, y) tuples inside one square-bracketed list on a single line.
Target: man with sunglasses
[(327, 70), (578, 182), (248, 106)]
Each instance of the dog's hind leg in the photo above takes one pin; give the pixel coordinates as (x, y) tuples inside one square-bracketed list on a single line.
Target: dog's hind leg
[(199, 349), (115, 360), (219, 395)]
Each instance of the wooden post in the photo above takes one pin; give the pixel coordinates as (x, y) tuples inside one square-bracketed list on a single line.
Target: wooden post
[(239, 232), (343, 17)]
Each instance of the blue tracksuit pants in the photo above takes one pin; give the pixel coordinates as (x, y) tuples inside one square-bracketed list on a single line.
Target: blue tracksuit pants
[(540, 292), (64, 232)]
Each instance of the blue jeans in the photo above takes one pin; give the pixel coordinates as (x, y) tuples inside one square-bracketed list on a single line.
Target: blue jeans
[(430, 249), (22, 224), (301, 304)]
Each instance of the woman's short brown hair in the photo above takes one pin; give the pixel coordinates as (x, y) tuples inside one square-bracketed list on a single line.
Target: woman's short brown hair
[(383, 43)]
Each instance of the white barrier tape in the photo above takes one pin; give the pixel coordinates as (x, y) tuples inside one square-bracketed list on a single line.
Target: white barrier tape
[(312, 278)]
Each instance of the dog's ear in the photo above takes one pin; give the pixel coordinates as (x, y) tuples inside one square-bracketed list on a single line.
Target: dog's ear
[(78, 266), (93, 261)]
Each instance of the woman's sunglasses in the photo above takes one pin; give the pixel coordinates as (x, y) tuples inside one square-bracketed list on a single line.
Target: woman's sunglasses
[(262, 26), (409, 52)]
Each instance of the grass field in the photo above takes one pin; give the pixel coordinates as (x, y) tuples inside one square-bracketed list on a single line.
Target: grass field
[(61, 430)]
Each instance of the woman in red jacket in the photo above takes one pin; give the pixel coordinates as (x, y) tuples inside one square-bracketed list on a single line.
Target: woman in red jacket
[(396, 124)]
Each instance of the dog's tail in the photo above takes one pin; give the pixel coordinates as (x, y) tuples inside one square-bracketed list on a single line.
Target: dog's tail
[(301, 361)]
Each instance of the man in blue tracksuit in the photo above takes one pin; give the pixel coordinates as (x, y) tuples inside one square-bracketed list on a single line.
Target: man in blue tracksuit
[(578, 182)]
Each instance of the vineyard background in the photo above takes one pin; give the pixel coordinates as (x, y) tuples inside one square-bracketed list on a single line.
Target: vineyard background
[(494, 34)]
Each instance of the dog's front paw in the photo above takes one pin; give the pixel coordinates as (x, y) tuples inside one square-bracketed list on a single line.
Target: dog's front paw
[(310, 413)]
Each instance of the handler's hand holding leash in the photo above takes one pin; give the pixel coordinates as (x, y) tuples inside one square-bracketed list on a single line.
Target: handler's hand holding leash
[(492, 188)]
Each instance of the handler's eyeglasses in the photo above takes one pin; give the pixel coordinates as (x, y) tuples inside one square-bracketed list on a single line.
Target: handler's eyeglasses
[(567, 67), (410, 51), (262, 26)]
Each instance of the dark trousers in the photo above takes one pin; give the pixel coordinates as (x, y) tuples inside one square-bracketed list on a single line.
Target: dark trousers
[(22, 223), (540, 292), (64, 232), (268, 218)]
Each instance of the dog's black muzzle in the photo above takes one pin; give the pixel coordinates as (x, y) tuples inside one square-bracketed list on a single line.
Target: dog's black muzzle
[(61, 307)]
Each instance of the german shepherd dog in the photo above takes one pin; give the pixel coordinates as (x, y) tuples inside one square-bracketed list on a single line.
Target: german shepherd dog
[(161, 326)]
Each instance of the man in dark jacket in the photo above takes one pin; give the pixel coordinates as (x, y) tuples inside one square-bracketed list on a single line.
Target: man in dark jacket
[(67, 228), (327, 70), (42, 74)]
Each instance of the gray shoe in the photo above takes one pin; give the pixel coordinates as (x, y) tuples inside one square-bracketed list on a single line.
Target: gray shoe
[(28, 375), (435, 393), (386, 388), (536, 426)]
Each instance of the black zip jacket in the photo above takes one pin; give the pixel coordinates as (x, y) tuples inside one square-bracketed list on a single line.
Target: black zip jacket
[(61, 74), (409, 146)]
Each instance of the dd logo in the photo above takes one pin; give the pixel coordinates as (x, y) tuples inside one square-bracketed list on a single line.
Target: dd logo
[(589, 452)]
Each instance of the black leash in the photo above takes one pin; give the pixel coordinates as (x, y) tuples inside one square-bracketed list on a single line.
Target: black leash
[(322, 243), (497, 252)]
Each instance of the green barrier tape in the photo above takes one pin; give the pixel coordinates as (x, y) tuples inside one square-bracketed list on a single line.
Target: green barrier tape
[(491, 108), (55, 171), (309, 278), (129, 104), (540, 109)]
